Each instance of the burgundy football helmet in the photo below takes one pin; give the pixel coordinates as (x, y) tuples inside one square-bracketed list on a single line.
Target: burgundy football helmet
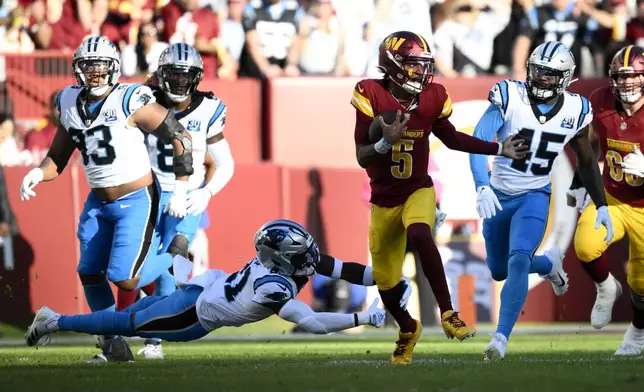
[(627, 74), (405, 59)]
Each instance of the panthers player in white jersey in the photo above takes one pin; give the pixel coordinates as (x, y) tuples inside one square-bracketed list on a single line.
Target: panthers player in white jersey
[(204, 116), (103, 119), (514, 200), (287, 256)]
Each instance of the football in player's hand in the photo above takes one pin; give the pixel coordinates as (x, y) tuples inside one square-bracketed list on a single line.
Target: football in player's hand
[(375, 130)]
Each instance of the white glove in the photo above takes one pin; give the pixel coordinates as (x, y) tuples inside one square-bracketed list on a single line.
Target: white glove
[(178, 204), (582, 198), (440, 218), (375, 314), (405, 283), (486, 202), (32, 179), (198, 201), (634, 163), (603, 219)]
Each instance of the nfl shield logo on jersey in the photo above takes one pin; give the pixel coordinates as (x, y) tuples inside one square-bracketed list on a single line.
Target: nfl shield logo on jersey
[(110, 115), (193, 125), (568, 122)]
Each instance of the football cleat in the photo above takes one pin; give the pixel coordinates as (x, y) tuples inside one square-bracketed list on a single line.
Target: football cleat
[(607, 293), (633, 343), (115, 349), (495, 351), (405, 345), (454, 327), (557, 276), (152, 350), (45, 322)]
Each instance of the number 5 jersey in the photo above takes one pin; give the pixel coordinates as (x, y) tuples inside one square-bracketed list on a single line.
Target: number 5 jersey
[(113, 152), (545, 132)]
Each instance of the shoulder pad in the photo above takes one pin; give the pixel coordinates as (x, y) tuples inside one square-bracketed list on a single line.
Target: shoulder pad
[(361, 98), (586, 114), (499, 95), (273, 288), (217, 121), (135, 97)]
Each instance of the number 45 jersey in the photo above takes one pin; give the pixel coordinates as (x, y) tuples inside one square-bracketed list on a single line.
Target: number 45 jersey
[(113, 152), (204, 118), (545, 133), (246, 296)]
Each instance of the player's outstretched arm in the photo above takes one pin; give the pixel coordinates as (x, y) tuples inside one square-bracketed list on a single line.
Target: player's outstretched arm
[(454, 140), (54, 163), (486, 130), (326, 322), (356, 273)]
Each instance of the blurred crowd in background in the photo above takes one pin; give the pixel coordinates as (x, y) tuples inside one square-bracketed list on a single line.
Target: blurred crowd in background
[(289, 38)]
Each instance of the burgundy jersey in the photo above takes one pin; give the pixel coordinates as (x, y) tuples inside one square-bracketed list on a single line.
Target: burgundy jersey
[(399, 173), (618, 135)]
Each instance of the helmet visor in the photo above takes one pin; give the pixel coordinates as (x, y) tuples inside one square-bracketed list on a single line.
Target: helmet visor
[(545, 78), (94, 71), (179, 81)]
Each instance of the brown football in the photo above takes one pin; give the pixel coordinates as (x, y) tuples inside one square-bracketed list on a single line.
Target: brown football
[(375, 130)]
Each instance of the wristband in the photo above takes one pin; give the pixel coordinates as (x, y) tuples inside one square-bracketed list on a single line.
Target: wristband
[(382, 146), (355, 319), (500, 151)]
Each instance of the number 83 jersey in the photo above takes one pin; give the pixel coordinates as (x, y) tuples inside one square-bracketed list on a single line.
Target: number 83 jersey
[(204, 118), (113, 152), (546, 133)]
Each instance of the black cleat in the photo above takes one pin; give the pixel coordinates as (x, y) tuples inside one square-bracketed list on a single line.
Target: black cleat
[(115, 349)]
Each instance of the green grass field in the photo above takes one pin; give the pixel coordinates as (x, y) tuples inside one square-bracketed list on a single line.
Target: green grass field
[(343, 362)]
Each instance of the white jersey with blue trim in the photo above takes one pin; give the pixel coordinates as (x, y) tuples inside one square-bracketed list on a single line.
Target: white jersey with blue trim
[(546, 134), (204, 118), (232, 300), (113, 152)]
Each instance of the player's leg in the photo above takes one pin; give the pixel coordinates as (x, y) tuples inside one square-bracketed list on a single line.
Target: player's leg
[(633, 343), (173, 318), (496, 234), (172, 227), (387, 244), (527, 229), (590, 248), (134, 261), (418, 218)]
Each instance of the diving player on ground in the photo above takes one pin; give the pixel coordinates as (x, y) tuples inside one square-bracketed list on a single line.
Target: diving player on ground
[(103, 119), (287, 256), (402, 194), (204, 116), (618, 129), (547, 117)]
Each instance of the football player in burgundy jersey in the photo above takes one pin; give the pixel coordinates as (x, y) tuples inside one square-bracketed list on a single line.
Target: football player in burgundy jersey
[(618, 129), (402, 194)]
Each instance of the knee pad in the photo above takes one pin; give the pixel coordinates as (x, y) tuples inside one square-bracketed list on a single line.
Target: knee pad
[(638, 300), (499, 276), (419, 232)]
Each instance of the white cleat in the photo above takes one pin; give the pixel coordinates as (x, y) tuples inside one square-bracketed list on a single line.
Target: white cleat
[(45, 323), (633, 343), (495, 351), (151, 350), (557, 276), (607, 293)]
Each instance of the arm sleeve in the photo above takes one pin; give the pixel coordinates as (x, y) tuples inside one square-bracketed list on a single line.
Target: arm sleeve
[(317, 322), (136, 96), (355, 273), (454, 140), (217, 121), (224, 164), (486, 129)]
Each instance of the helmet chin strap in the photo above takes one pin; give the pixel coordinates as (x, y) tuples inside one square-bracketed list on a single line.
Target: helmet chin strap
[(98, 91), (631, 98)]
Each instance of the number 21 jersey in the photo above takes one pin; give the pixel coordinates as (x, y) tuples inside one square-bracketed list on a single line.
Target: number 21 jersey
[(113, 152), (546, 134)]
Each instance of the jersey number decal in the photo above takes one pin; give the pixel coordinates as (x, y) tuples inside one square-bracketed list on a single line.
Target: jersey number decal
[(103, 143), (614, 160), (165, 151), (235, 283), (401, 155), (538, 169)]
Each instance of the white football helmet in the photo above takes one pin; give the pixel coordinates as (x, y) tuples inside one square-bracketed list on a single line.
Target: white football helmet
[(287, 248), (97, 65), (180, 71), (550, 69)]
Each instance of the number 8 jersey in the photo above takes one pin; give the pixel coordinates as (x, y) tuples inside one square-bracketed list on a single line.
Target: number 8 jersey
[(113, 152), (546, 134), (204, 118)]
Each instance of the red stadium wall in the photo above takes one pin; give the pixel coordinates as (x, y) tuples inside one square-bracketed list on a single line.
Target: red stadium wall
[(328, 200)]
